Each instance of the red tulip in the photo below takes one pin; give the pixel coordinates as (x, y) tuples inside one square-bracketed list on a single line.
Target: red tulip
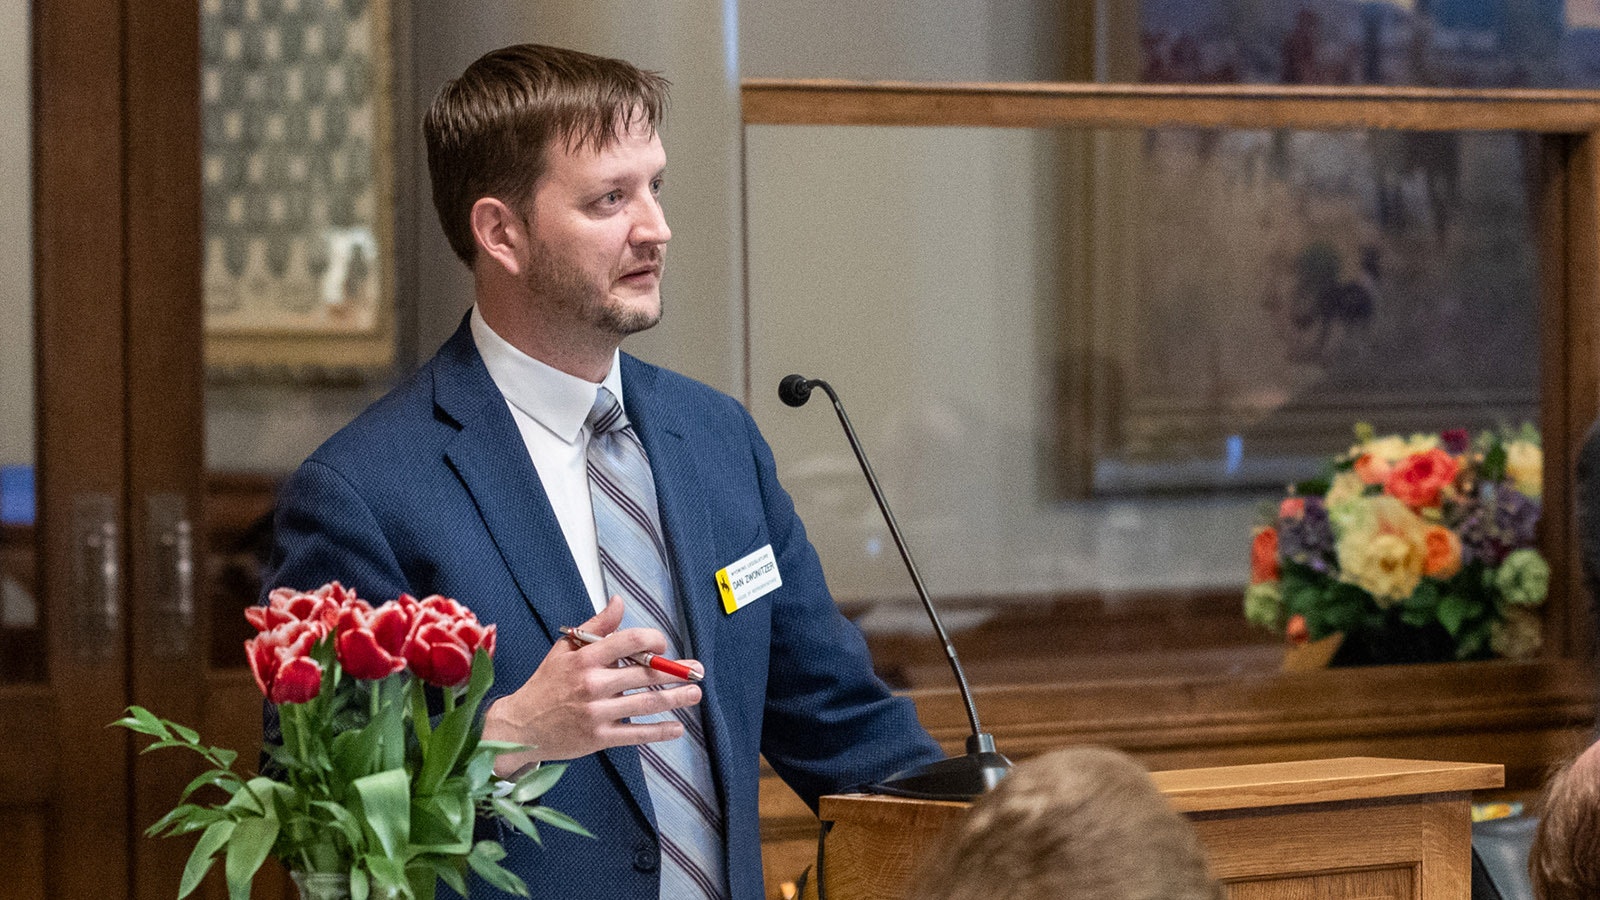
[(370, 643), (289, 605), (281, 661), (444, 636)]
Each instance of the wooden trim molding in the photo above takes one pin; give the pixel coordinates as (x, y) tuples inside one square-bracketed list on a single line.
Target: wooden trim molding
[(1086, 105)]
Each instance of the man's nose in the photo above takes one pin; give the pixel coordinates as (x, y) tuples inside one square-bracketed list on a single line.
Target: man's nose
[(651, 226)]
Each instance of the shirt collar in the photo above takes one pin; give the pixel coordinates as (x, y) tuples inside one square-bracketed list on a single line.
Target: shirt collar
[(556, 400)]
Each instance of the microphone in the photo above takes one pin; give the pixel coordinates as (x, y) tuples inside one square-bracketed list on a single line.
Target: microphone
[(959, 777)]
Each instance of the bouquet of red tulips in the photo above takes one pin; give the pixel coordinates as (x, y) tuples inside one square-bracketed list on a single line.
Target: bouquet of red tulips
[(381, 770)]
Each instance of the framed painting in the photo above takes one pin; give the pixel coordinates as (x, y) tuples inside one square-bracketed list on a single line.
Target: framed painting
[(297, 187), (1275, 288)]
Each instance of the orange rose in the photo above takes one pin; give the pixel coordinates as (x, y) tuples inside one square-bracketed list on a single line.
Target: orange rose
[(1373, 469), (1419, 478), (1264, 556), (1442, 552)]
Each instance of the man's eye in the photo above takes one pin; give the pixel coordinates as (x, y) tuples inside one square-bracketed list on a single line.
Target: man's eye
[(613, 197), (655, 186)]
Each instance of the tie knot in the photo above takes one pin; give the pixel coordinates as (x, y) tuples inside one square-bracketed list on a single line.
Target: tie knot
[(606, 414)]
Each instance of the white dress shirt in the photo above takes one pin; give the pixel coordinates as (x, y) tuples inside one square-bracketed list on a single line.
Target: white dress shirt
[(549, 407)]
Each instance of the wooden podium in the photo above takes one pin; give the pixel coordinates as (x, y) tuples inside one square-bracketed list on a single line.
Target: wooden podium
[(1364, 828)]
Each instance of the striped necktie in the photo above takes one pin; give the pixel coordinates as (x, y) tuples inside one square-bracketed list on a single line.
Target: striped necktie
[(634, 561)]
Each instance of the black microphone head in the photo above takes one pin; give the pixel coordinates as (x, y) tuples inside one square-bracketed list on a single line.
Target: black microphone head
[(794, 390)]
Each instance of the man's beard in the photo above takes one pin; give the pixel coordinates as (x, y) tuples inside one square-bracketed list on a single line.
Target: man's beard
[(566, 288)]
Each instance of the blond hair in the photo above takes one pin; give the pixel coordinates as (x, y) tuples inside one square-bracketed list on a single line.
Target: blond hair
[(1080, 822)]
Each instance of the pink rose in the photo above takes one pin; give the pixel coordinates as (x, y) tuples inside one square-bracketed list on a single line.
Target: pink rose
[(370, 643), (444, 636), (1292, 508), (280, 659), (1419, 478)]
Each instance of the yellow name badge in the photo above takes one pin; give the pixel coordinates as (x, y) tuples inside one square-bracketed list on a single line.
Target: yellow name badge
[(748, 580)]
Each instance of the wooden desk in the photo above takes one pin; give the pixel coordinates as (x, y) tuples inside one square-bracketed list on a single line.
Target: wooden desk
[(1369, 828)]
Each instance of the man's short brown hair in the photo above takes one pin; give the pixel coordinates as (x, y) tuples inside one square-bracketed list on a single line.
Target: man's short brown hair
[(1077, 822), (487, 131)]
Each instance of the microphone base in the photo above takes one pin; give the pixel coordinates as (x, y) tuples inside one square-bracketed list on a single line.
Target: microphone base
[(957, 778)]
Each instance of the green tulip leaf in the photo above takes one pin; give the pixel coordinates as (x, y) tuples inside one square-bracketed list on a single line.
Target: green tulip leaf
[(386, 800), (200, 859), (248, 848)]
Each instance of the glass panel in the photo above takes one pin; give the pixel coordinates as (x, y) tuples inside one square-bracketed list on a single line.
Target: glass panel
[(22, 647), (299, 271), (1444, 43), (1084, 361)]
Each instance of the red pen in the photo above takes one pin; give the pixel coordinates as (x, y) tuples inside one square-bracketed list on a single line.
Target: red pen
[(645, 658)]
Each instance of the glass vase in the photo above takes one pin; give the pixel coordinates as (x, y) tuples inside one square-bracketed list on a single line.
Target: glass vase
[(322, 885)]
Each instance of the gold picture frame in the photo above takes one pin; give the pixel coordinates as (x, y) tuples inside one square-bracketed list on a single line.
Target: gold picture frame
[(298, 188)]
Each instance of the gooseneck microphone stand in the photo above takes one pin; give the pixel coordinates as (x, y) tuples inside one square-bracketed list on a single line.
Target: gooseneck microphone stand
[(959, 777)]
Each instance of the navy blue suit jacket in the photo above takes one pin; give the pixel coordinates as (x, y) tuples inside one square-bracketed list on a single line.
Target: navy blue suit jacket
[(431, 490)]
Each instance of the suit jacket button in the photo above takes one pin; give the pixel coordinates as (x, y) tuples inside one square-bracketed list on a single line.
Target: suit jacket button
[(645, 860)]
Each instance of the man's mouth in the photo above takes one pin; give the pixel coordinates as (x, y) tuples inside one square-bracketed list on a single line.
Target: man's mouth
[(644, 272)]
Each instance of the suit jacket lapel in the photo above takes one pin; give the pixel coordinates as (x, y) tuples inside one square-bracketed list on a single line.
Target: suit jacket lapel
[(490, 458)]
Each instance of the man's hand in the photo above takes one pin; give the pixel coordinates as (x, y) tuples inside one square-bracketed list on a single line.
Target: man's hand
[(574, 704)]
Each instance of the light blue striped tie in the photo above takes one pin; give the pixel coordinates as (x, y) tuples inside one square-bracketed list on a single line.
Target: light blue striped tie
[(634, 560)]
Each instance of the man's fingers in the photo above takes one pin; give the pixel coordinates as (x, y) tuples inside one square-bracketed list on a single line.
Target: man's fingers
[(606, 620), (645, 703), (627, 642), (627, 734)]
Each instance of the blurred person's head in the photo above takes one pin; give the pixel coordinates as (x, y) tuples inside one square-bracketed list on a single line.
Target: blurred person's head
[(1565, 860), (1080, 822)]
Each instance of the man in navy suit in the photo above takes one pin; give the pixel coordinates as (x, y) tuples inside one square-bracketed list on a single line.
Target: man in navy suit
[(469, 480)]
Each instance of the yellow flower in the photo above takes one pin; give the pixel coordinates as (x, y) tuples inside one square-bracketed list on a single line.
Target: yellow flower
[(1525, 465), (1382, 549), (1346, 485), (1389, 448)]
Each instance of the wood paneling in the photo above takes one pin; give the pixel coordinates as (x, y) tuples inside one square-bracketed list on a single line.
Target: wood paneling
[(22, 831), (79, 250), (1040, 105), (1342, 828)]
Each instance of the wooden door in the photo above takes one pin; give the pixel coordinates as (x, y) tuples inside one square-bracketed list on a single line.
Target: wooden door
[(104, 571), (63, 777)]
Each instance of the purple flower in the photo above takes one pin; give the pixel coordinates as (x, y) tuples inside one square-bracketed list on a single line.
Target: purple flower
[(1502, 519), (1307, 539)]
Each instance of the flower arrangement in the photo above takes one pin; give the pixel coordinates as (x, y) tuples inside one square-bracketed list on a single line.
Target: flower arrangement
[(1415, 549), (370, 782)]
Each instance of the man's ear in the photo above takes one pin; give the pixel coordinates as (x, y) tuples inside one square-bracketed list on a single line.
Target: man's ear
[(501, 234)]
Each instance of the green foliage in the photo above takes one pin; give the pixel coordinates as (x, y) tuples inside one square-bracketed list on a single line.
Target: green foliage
[(367, 785)]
